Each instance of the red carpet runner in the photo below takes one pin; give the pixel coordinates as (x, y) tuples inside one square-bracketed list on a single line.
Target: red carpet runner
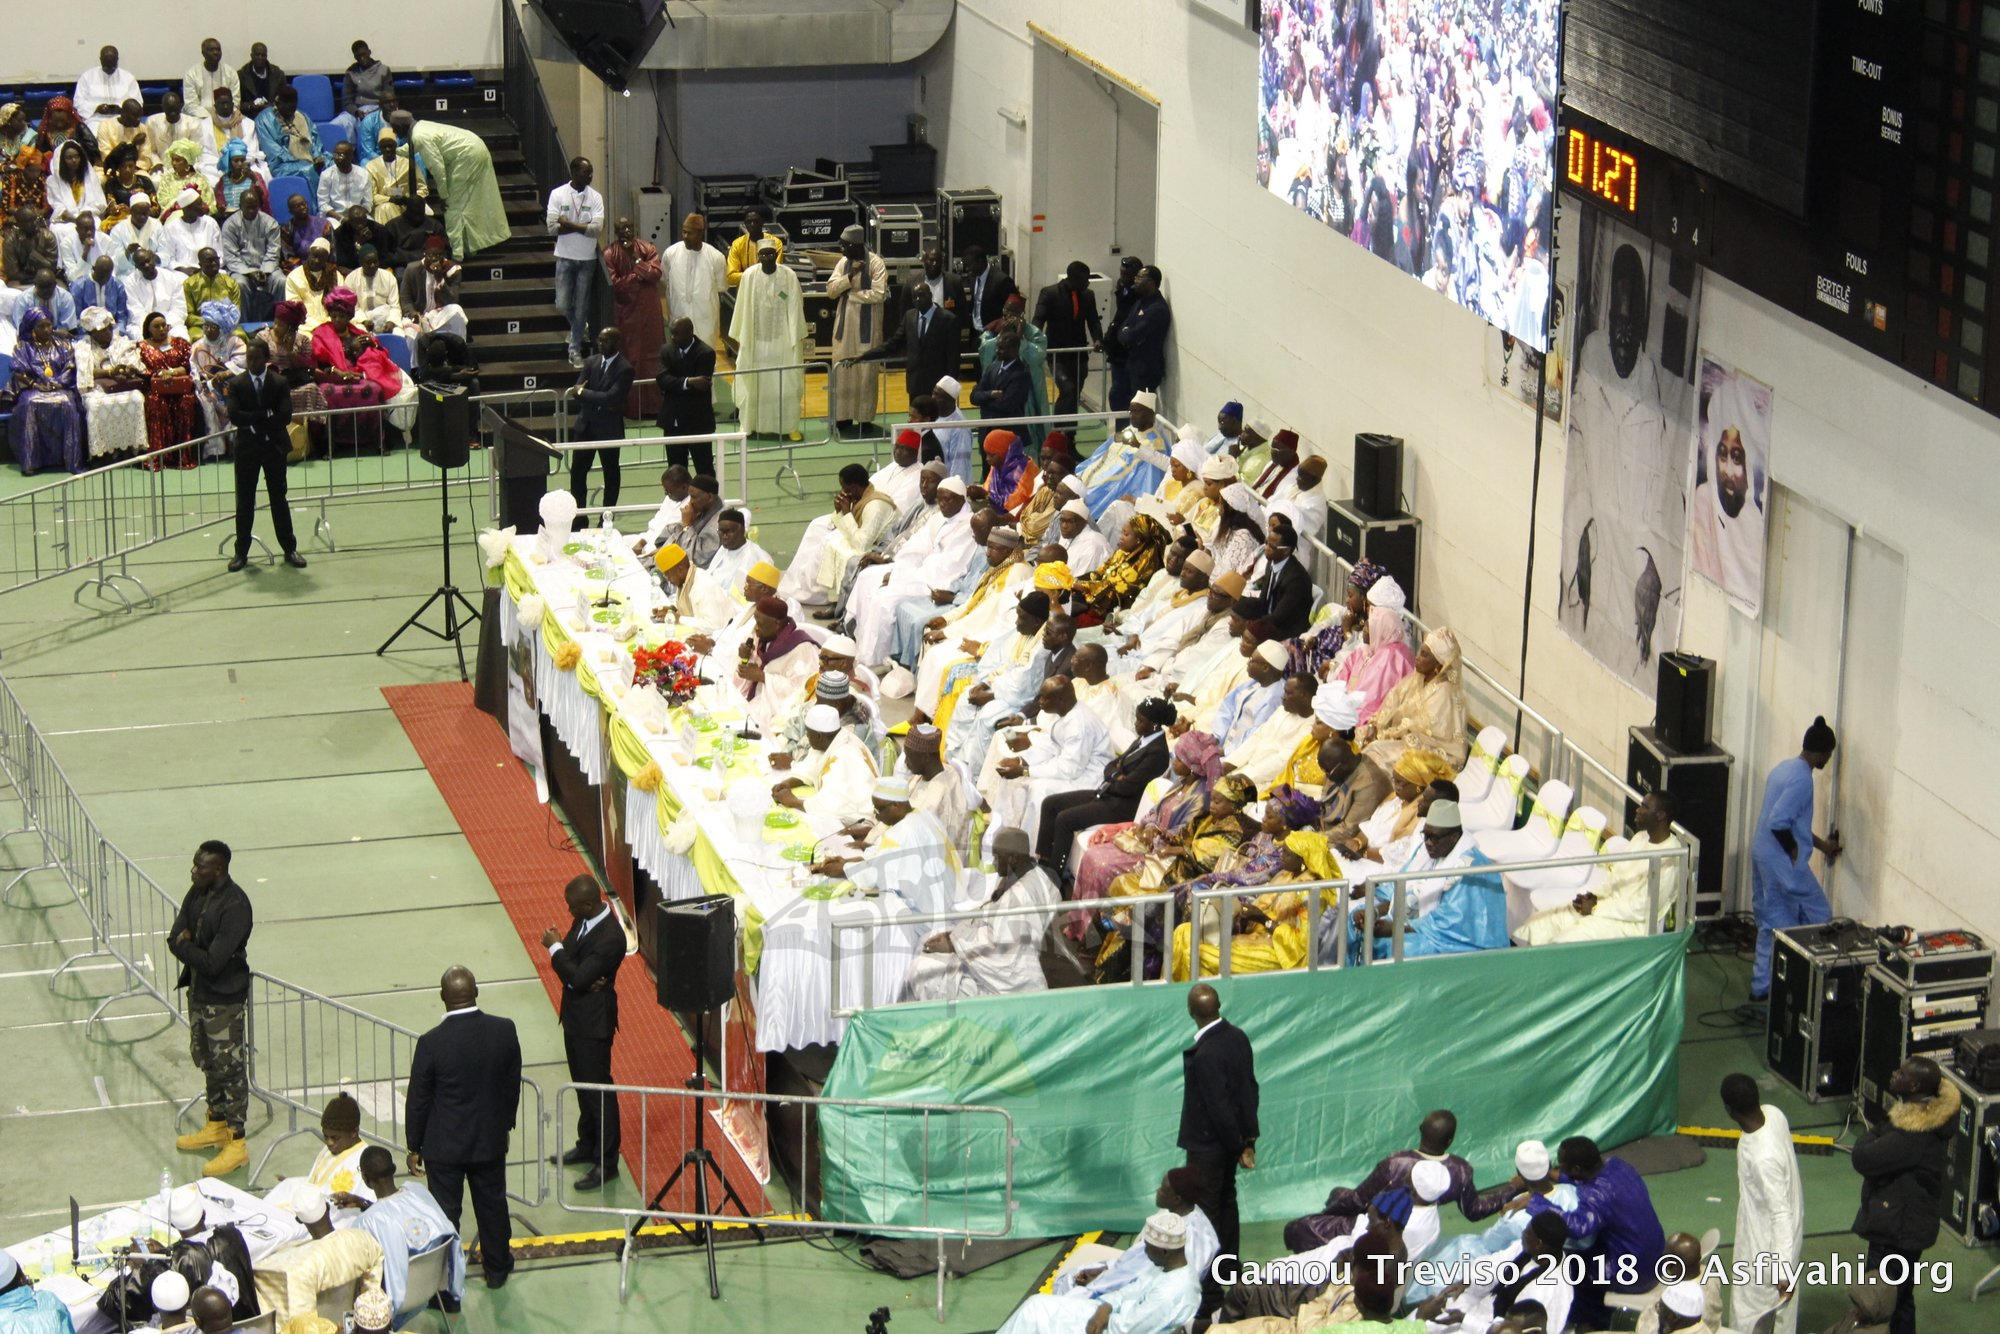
[(493, 800)]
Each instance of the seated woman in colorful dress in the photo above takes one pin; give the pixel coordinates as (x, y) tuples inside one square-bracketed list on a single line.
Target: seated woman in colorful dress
[(214, 358), (46, 429), (112, 385), (1269, 932), (170, 403)]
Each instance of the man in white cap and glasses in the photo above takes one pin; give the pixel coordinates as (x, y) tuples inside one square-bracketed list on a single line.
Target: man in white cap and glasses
[(990, 954), (23, 1308), (1151, 1299), (1452, 912), (837, 767), (1679, 1308), (770, 330), (290, 1280), (859, 289), (904, 852), (1086, 546), (934, 554), (1526, 1270), (953, 434)]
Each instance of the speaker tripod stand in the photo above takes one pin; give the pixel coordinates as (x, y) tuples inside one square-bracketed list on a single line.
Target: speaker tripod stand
[(700, 1162), (447, 591)]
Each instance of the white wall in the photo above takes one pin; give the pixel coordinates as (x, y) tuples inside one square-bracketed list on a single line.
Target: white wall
[(1314, 333), (55, 42)]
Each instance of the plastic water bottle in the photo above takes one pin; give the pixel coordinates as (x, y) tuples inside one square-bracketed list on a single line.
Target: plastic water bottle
[(166, 1192)]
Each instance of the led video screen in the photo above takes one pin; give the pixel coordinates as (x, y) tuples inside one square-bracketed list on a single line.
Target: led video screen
[(1422, 130)]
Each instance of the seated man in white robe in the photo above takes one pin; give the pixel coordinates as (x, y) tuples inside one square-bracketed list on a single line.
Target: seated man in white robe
[(863, 509), (1006, 675), (336, 1168), (1624, 905), (1203, 673), (697, 600), (407, 1221), (961, 634), (938, 785), (904, 853), (1246, 707), (916, 617), (839, 769), (1263, 754), (1532, 1166), (1071, 752), (836, 689), (1086, 547), (906, 525), (935, 554), (1178, 1191), (724, 642), (772, 664), (1155, 1298), (1153, 635), (992, 955), (1535, 1264), (1301, 498), (733, 559)]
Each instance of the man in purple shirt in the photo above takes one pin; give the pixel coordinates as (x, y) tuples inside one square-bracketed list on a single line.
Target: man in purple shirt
[(1345, 1206), (1615, 1210)]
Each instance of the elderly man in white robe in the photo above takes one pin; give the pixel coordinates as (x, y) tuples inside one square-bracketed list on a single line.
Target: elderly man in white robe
[(1138, 1299), (1087, 547), (863, 510), (1071, 751), (696, 273), (1006, 676), (1154, 636), (905, 526), (903, 852), (938, 785), (988, 609), (838, 769), (992, 954), (951, 430), (696, 601), (770, 330), (933, 555)]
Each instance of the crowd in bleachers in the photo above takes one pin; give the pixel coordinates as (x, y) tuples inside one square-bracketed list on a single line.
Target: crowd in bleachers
[(140, 252)]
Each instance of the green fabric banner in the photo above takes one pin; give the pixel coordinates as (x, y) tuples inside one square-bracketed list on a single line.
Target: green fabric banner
[(1521, 1043)]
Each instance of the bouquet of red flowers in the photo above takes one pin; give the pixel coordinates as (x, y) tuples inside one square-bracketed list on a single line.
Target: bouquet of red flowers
[(672, 669)]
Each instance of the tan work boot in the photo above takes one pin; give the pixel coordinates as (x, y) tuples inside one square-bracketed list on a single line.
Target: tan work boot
[(235, 1153), (211, 1136)]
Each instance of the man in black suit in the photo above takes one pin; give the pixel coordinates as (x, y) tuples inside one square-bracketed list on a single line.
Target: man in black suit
[(587, 959), (1004, 385), (687, 407), (987, 288), (1218, 1122), (260, 407), (947, 288), (1066, 311), (1065, 814), (1124, 295), (1286, 588), (465, 1083), (928, 342), (1144, 335), (600, 415)]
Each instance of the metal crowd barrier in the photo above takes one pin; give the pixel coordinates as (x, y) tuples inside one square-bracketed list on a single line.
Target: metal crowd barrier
[(941, 1146), (1142, 907), (305, 1047), (92, 522)]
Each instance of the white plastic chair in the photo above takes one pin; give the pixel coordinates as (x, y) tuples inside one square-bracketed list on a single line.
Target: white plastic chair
[(426, 1280), (335, 1303), (1530, 891), (1539, 836), (1495, 810), (1482, 764)]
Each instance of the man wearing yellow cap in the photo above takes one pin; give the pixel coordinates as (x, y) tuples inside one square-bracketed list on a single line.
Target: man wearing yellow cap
[(696, 599)]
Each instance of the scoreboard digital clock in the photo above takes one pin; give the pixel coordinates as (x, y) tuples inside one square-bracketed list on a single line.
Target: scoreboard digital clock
[(1604, 172)]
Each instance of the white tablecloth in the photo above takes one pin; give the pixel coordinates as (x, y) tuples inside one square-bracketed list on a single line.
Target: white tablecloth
[(794, 976), (264, 1230)]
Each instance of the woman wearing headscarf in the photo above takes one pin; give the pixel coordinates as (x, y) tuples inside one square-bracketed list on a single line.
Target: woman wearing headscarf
[(1239, 533), (22, 165), (1373, 670), (73, 186), (1195, 851), (1170, 802), (60, 125), (238, 178), (1268, 932), (170, 410), (1006, 460), (1112, 586), (290, 348), (213, 358), (1425, 709), (1318, 650), (112, 386), (182, 172), (351, 366), (124, 176), (309, 283), (46, 429), (1397, 818)]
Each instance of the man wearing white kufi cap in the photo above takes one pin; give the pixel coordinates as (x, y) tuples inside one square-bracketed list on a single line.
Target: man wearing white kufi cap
[(290, 1279), (1159, 1296), (906, 855), (24, 1307), (187, 231), (934, 555), (1086, 546), (1532, 1165), (837, 767), (1453, 912), (1132, 463), (1264, 754), (950, 429), (1681, 1308), (992, 955), (1246, 707)]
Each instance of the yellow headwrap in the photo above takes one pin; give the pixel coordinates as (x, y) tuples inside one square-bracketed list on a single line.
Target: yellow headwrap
[(668, 556), (1421, 768), (1052, 575), (766, 574), (1310, 847)]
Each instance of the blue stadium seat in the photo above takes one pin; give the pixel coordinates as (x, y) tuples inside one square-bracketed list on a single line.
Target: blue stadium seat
[(315, 96), (406, 82), (332, 132), (285, 187), (48, 93), (398, 348), (151, 93), (454, 78)]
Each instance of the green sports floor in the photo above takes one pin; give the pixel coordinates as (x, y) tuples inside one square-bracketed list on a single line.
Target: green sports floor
[(248, 708)]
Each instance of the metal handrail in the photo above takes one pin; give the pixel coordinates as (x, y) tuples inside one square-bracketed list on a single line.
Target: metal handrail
[(636, 1215)]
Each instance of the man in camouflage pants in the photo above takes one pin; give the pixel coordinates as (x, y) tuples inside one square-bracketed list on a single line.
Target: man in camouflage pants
[(209, 936)]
